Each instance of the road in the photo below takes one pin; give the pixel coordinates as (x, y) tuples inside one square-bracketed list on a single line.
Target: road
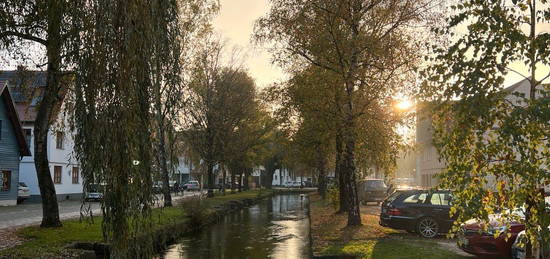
[(31, 213)]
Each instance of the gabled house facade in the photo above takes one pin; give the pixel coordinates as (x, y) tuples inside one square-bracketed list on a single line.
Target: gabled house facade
[(28, 88), (428, 162), (12, 147)]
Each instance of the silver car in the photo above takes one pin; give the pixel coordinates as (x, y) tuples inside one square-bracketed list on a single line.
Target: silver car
[(23, 192), (192, 186)]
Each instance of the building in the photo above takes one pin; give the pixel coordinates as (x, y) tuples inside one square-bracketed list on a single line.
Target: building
[(428, 162), (182, 172), (12, 147), (28, 88)]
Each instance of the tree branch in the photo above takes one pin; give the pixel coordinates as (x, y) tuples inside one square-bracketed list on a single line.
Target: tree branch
[(23, 36)]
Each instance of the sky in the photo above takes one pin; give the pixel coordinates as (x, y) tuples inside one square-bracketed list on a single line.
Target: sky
[(235, 23)]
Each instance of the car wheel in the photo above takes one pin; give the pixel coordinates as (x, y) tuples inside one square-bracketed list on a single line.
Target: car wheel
[(427, 227)]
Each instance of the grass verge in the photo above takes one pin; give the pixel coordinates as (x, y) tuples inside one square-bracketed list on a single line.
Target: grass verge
[(332, 237), (51, 242)]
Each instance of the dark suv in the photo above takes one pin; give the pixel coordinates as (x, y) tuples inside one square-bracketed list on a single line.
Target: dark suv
[(372, 190), (422, 211)]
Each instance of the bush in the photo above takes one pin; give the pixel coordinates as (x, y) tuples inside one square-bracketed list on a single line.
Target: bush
[(196, 210), (333, 196)]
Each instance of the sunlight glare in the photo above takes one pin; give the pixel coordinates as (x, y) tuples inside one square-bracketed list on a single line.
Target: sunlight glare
[(404, 105)]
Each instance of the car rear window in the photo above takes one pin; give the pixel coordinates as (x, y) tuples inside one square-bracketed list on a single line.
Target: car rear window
[(375, 184), (393, 196), (440, 198), (416, 198), (22, 184)]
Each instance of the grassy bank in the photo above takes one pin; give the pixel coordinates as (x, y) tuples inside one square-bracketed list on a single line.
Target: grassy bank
[(332, 237), (52, 242)]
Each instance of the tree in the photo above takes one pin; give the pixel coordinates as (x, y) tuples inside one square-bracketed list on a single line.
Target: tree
[(349, 38), (118, 72), (217, 101), (27, 25), (173, 41), (494, 141), (309, 115)]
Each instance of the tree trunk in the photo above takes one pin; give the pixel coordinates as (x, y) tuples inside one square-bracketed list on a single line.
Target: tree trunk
[(348, 161), (50, 209), (240, 181), (210, 178), (338, 173), (245, 180), (269, 179), (232, 172), (223, 178), (321, 167), (163, 164)]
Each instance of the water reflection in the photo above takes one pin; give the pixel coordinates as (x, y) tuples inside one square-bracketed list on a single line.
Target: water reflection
[(276, 228)]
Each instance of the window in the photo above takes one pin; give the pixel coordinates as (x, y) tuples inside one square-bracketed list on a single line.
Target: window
[(59, 140), (440, 198), (28, 137), (416, 198), (57, 174), (75, 175), (5, 181), (375, 184)]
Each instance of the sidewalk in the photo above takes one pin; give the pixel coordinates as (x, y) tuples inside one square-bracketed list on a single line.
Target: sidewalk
[(31, 213)]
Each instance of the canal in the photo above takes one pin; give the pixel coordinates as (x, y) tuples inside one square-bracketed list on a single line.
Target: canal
[(274, 228)]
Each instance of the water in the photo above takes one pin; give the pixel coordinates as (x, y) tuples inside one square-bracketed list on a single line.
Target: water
[(275, 228)]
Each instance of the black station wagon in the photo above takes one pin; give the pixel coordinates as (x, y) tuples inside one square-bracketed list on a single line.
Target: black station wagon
[(422, 211)]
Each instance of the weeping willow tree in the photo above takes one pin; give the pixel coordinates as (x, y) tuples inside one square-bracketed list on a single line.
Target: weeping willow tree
[(124, 50)]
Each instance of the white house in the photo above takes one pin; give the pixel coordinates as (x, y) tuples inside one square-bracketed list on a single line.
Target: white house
[(28, 89), (182, 172), (428, 160)]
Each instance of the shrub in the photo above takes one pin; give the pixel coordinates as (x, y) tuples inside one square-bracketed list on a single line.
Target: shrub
[(333, 196), (196, 210)]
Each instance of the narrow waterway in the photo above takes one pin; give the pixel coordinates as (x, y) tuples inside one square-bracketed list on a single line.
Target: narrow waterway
[(274, 228)]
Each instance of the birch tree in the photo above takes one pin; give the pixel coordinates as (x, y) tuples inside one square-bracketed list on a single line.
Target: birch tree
[(364, 43)]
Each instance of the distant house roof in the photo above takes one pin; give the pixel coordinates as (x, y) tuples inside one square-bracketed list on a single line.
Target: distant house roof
[(27, 89), (14, 118), (516, 85)]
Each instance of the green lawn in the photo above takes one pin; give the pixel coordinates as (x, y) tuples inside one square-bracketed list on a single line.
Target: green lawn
[(332, 237), (391, 248), (50, 242)]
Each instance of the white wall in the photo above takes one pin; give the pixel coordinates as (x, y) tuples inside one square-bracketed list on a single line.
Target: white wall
[(57, 157), (427, 160)]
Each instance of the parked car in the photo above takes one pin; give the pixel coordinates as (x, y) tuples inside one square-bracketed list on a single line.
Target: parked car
[(421, 211), (518, 251), (308, 184), (23, 192), (192, 186), (372, 190), (474, 240), (292, 184), (94, 193)]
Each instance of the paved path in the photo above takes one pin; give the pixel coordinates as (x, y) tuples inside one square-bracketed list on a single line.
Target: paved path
[(31, 213)]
